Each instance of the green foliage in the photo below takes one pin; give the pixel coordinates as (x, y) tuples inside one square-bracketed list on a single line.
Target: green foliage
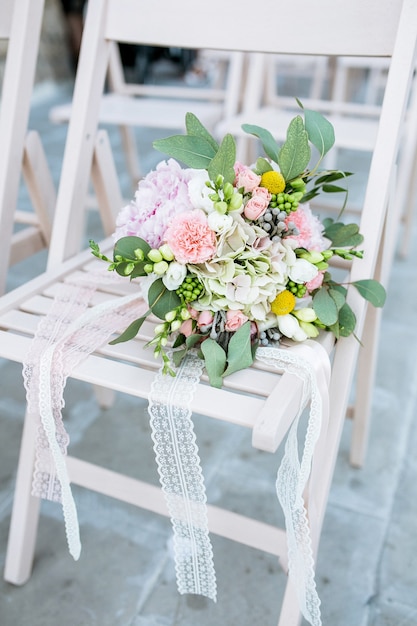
[(196, 128), (161, 300), (215, 361), (325, 307), (372, 291), (223, 162), (320, 131), (131, 331), (295, 153), (239, 353), (192, 150), (268, 142), (342, 235)]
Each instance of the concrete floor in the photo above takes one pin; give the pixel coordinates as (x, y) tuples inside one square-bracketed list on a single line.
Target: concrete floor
[(367, 564)]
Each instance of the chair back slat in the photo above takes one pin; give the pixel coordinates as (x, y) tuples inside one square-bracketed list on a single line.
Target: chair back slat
[(284, 27)]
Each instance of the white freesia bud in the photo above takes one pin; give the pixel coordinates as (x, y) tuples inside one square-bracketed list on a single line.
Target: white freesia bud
[(174, 275), (269, 322), (176, 325), (289, 326), (310, 330), (219, 222), (302, 271), (307, 314)]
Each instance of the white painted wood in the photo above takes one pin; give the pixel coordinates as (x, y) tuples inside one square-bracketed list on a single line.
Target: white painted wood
[(20, 26)]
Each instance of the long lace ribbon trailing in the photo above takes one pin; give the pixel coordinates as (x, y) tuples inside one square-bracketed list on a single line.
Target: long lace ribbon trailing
[(293, 474), (64, 338), (67, 335), (181, 476)]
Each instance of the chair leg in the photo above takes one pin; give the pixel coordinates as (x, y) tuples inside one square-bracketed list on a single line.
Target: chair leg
[(290, 613), (365, 387), (25, 513)]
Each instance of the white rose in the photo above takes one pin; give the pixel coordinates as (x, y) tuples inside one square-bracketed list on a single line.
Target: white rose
[(198, 191), (219, 223), (302, 271), (174, 275)]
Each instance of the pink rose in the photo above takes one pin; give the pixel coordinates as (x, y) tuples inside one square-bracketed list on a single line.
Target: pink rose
[(262, 192), (190, 237), (205, 318), (234, 320), (255, 207), (315, 282), (246, 178), (187, 327)]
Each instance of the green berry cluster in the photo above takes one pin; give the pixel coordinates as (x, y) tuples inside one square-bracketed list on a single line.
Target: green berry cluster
[(190, 289), (298, 290), (287, 202)]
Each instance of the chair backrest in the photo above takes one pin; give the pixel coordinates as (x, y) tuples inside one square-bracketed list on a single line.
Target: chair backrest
[(20, 26), (323, 33)]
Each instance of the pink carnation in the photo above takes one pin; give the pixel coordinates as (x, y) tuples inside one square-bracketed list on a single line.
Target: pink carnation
[(309, 227), (190, 237), (160, 196)]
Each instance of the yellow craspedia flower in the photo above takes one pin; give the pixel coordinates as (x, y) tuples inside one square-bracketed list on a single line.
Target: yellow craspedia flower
[(284, 303), (273, 181)]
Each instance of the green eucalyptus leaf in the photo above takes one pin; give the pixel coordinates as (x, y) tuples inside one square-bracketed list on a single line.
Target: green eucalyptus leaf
[(334, 328), (196, 128), (178, 355), (325, 307), (126, 246), (179, 341), (372, 291), (333, 188), (268, 142), (192, 340), (192, 150), (343, 235), (295, 154), (239, 353), (215, 361), (338, 297), (223, 162), (328, 177), (262, 166), (131, 331), (347, 321), (161, 300), (320, 131)]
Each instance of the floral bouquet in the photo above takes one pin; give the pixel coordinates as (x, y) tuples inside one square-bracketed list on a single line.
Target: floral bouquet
[(231, 255)]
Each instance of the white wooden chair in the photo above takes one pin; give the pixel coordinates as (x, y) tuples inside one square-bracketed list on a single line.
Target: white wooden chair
[(129, 106), (21, 152), (253, 398)]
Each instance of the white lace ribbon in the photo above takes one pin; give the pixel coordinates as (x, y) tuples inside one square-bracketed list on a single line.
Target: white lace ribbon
[(293, 474), (181, 476), (50, 360), (67, 335)]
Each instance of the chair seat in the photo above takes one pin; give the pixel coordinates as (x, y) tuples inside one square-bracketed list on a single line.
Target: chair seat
[(351, 132), (252, 393), (148, 112)]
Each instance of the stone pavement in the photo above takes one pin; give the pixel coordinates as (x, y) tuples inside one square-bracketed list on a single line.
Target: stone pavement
[(367, 564)]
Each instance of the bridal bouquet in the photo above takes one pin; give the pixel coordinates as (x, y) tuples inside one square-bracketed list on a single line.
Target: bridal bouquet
[(231, 256)]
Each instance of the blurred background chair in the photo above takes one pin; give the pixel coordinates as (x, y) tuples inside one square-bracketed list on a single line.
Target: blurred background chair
[(161, 102), (22, 233)]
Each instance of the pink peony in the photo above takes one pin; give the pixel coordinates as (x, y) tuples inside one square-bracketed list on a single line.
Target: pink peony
[(160, 196), (234, 320), (246, 178), (190, 238), (309, 227)]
